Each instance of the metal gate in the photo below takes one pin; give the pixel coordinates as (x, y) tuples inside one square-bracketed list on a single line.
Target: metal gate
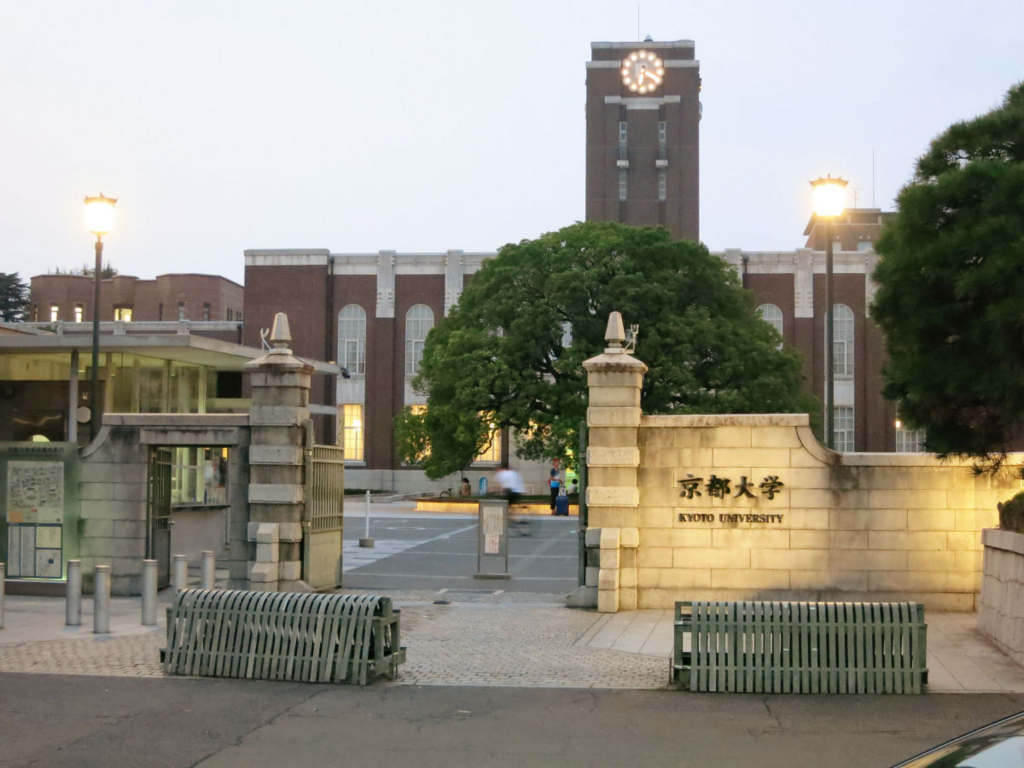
[(158, 513), (322, 518)]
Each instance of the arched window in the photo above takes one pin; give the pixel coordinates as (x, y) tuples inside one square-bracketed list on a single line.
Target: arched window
[(418, 322), (842, 340), (771, 315), (352, 339)]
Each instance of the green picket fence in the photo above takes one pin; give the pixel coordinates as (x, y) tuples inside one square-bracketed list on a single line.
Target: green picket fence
[(791, 647), (282, 636)]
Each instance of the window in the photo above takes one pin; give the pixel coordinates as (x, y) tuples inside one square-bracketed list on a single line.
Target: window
[(662, 185), (352, 339), (54, 313), (160, 311), (206, 311), (622, 135), (231, 313), (772, 315), (491, 452), (842, 340), (418, 322), (909, 440), (181, 310), (353, 440), (566, 335), (35, 313), (238, 315), (200, 476), (865, 245), (79, 312), (123, 312), (662, 133), (622, 185), (842, 428)]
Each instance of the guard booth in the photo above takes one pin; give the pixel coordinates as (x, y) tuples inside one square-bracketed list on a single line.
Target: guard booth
[(39, 512)]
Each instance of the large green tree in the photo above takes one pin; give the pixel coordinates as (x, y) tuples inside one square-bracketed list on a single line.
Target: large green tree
[(14, 295), (951, 287), (502, 357)]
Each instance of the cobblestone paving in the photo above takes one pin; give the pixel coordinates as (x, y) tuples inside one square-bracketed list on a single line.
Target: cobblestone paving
[(509, 639), (128, 656), (515, 644)]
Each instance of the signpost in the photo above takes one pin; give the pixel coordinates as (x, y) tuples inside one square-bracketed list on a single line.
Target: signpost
[(492, 540)]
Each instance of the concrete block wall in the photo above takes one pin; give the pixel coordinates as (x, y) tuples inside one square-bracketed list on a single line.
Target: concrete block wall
[(1001, 606)]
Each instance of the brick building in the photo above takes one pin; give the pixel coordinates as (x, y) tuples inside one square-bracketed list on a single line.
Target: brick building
[(69, 298), (643, 114), (370, 313)]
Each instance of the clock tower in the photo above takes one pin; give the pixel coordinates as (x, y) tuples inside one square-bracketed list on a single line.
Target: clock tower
[(643, 112)]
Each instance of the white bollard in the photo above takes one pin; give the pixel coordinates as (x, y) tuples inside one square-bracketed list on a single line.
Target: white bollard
[(3, 575), (209, 569), (148, 593), (366, 541), (73, 595), (179, 573), (101, 600)]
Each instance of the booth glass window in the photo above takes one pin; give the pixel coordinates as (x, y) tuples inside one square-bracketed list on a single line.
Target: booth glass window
[(200, 475), (79, 312)]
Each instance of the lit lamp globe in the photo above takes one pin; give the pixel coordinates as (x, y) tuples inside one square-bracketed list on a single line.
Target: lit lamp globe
[(99, 214), (829, 196)]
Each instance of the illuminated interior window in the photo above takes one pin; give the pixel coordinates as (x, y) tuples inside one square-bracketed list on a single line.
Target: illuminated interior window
[(54, 313), (352, 339), (123, 313), (79, 312), (199, 475), (491, 452), (353, 442)]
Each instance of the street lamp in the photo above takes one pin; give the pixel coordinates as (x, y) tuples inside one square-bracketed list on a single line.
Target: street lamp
[(99, 219), (829, 200)]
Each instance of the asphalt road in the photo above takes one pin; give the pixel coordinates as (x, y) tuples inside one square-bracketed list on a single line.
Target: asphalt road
[(50, 720), (432, 553)]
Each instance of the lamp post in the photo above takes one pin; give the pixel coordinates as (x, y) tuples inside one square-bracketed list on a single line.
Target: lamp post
[(829, 200), (99, 218)]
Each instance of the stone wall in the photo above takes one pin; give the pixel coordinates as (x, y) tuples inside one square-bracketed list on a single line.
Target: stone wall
[(114, 473), (1001, 607), (837, 526)]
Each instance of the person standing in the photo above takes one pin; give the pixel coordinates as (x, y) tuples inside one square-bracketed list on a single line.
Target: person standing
[(555, 484)]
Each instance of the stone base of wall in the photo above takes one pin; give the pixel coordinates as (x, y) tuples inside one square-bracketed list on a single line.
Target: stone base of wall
[(932, 601), (1001, 607)]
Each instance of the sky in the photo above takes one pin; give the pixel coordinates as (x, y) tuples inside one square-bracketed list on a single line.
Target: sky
[(428, 125)]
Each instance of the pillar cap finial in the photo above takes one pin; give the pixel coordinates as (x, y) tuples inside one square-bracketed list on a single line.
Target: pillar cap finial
[(615, 333), (280, 334)]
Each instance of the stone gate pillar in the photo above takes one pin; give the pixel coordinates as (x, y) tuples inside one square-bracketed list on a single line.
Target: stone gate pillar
[(614, 380), (279, 419)]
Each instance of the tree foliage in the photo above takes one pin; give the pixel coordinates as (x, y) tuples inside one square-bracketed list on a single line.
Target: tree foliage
[(951, 287), (107, 271), (14, 297), (499, 357)]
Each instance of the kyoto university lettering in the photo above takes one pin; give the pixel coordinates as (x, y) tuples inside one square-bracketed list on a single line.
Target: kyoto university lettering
[(720, 487)]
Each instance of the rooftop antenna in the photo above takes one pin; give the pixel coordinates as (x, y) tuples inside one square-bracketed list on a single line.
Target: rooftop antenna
[(855, 190)]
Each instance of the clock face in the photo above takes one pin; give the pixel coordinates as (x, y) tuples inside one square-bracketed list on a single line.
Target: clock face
[(642, 71)]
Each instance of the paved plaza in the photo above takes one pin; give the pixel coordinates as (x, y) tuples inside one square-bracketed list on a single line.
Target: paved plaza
[(463, 631)]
